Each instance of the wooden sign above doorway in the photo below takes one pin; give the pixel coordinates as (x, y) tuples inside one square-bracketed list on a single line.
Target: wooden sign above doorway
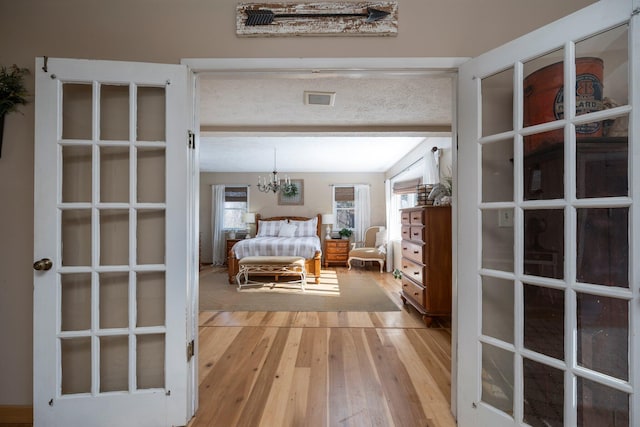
[(317, 19)]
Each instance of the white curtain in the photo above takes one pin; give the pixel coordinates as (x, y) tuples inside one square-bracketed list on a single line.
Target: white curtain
[(218, 238), (391, 220), (363, 211), (431, 166)]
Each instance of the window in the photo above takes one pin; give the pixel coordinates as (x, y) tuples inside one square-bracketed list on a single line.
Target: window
[(344, 207), (407, 200), (235, 206), (405, 195)]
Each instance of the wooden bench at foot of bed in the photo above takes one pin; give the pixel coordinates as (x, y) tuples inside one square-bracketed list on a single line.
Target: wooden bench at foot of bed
[(311, 265), (276, 266)]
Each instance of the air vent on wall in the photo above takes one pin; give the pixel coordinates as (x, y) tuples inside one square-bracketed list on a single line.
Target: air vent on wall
[(319, 98)]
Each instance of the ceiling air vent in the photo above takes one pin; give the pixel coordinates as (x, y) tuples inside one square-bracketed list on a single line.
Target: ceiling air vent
[(319, 98)]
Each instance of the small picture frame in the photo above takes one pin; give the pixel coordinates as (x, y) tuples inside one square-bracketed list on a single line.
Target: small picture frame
[(294, 200)]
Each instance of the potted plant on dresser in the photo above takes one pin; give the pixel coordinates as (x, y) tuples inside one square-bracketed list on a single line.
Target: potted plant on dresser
[(345, 233)]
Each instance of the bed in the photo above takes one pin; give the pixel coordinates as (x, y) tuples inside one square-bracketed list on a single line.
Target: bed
[(282, 236)]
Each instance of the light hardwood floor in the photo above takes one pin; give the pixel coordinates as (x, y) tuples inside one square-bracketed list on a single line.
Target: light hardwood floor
[(324, 368), (277, 369)]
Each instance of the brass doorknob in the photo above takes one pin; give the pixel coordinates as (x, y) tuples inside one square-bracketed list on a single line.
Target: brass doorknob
[(43, 264)]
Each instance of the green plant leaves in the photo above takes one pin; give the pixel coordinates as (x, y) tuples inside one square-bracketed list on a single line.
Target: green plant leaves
[(12, 90)]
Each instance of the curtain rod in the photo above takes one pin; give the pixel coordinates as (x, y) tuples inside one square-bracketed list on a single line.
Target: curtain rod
[(407, 168), (348, 185)]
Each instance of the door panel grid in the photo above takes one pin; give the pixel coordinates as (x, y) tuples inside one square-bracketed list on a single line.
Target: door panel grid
[(121, 235), (561, 241), (117, 348)]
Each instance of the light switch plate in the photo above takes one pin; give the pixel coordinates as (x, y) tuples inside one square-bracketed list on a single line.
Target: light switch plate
[(505, 217)]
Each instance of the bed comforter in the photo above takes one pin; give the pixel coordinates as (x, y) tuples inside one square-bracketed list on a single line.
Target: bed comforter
[(305, 247)]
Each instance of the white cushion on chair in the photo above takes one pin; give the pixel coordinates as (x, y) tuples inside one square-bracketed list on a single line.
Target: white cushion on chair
[(366, 253)]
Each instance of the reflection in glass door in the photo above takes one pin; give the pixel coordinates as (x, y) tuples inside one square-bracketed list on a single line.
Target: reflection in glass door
[(555, 305)]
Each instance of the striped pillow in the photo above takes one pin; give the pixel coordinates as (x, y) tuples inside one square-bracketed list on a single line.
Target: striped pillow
[(269, 228), (306, 228), (287, 230)]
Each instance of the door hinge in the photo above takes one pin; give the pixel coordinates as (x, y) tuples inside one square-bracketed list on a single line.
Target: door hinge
[(191, 349), (192, 140)]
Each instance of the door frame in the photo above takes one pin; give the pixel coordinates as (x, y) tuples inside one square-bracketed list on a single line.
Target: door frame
[(449, 65)]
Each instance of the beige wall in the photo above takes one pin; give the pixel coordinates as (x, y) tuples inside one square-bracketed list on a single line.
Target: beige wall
[(317, 197), (166, 31)]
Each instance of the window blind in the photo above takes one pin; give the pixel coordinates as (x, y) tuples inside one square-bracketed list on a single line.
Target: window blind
[(235, 194), (344, 194), (407, 187)]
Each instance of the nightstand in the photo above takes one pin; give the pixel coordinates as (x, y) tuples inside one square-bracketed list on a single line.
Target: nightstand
[(230, 243), (336, 251)]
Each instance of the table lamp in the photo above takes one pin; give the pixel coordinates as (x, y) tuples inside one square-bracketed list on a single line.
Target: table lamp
[(249, 218), (328, 220)]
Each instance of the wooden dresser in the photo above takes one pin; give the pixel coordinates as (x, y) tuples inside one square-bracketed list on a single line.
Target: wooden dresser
[(336, 251), (426, 260)]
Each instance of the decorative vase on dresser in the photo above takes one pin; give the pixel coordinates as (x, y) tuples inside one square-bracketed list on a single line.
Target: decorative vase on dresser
[(426, 260)]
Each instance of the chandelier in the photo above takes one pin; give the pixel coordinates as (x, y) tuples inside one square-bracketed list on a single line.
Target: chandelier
[(276, 184)]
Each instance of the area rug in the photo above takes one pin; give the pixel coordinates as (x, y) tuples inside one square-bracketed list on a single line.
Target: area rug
[(337, 291)]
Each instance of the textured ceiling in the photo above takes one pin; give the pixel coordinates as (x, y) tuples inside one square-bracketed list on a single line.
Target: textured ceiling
[(376, 119)]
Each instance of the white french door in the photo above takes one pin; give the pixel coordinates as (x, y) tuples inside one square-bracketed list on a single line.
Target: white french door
[(112, 235), (548, 225)]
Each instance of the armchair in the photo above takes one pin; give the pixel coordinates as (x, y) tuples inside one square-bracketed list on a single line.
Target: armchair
[(374, 248)]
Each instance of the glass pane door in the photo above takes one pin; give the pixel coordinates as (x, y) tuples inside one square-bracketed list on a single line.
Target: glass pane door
[(109, 237), (552, 298), (111, 140)]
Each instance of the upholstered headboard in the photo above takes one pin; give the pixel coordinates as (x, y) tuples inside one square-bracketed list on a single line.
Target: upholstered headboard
[(290, 218)]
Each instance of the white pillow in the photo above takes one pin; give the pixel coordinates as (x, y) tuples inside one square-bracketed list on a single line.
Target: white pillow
[(306, 228), (269, 228), (287, 230), (381, 238)]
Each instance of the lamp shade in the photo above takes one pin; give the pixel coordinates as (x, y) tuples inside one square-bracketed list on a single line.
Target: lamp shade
[(249, 218), (328, 219)]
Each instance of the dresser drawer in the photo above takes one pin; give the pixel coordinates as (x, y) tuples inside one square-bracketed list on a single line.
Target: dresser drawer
[(413, 270), (405, 232), (336, 257), (417, 233), (412, 251), (413, 233), (413, 291), (337, 246), (417, 217), (405, 218)]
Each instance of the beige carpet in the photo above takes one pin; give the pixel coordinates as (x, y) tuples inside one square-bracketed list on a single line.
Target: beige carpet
[(337, 291)]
